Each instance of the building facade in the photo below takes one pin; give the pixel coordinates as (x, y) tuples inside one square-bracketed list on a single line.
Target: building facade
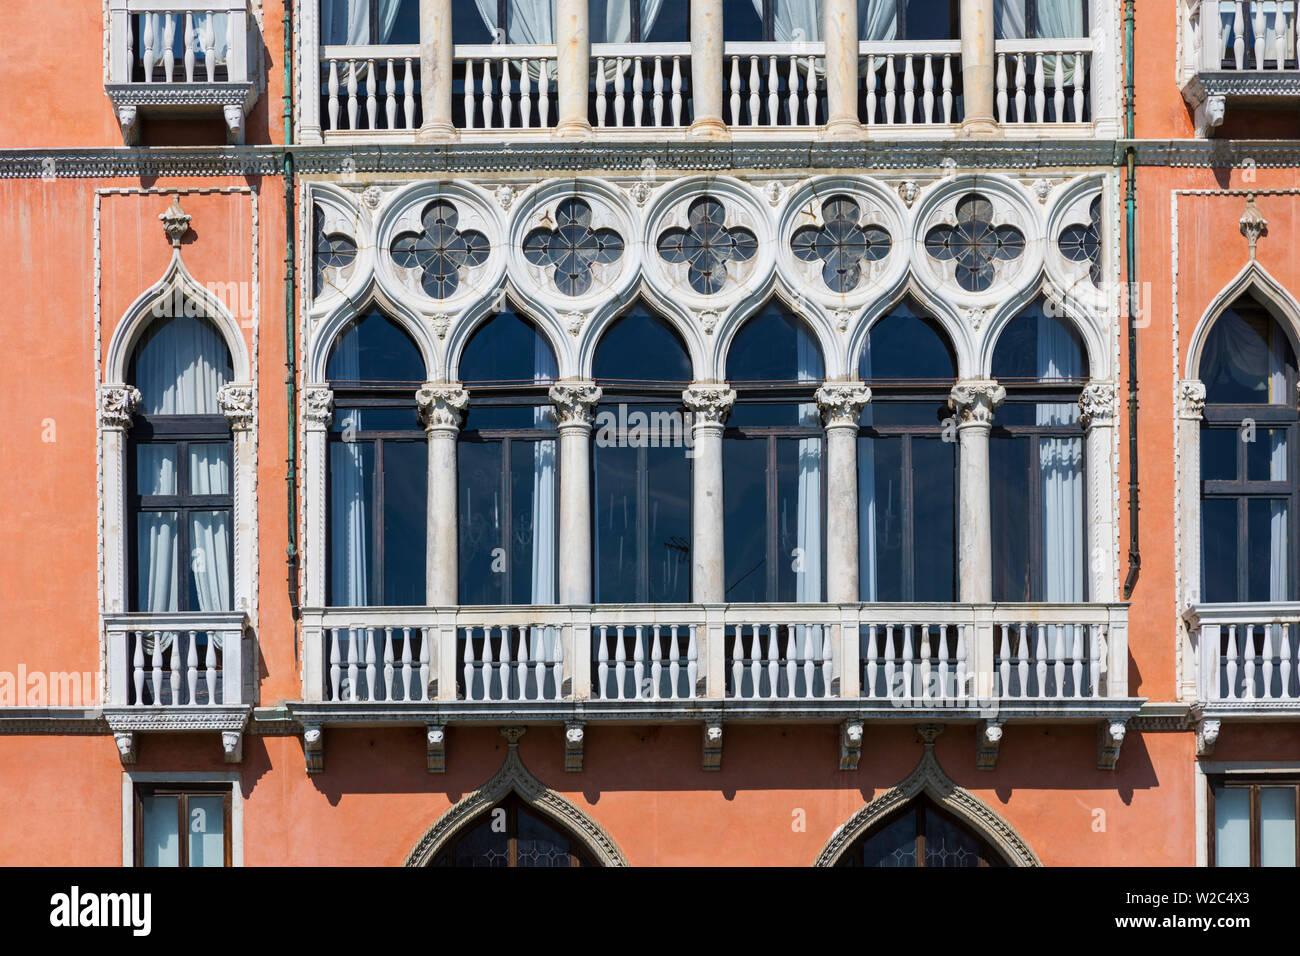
[(744, 431)]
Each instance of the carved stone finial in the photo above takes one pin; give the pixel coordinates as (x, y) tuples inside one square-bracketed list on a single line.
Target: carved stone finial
[(1253, 224), (841, 403), (928, 733), (974, 401), (441, 406), (512, 735), (176, 222), (575, 403), (237, 404), (117, 403), (318, 405), (1191, 398), (1097, 404), (710, 404)]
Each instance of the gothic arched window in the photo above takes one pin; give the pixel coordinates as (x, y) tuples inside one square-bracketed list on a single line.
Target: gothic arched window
[(641, 466), (513, 834), (1036, 462), (1248, 458), (378, 467), (920, 834), (773, 480), (508, 467)]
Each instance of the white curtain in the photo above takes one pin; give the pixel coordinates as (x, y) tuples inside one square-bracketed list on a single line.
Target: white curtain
[(1278, 540), (878, 19), (1061, 463), (808, 585), (527, 21), (199, 23), (867, 496), (210, 530), (349, 503), (611, 20), (544, 468), (347, 21), (801, 20), (1056, 18), (180, 366), (156, 543)]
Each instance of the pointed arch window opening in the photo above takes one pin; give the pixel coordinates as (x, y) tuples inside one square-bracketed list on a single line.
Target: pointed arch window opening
[(512, 834), (920, 834)]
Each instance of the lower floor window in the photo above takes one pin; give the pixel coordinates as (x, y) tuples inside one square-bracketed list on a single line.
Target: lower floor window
[(512, 834), (920, 835), (182, 827), (1254, 821)]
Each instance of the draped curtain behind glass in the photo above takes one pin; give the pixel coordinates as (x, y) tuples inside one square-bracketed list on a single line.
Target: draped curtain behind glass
[(1056, 18), (544, 462), (349, 507), (347, 21), (808, 586), (1277, 520), (611, 20), (180, 366), (210, 530), (866, 494), (1061, 462), (527, 21)]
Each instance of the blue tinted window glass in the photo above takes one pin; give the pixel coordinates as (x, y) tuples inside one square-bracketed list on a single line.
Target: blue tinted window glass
[(373, 348), (774, 346), (1039, 347), (906, 346), (641, 347), (507, 348)]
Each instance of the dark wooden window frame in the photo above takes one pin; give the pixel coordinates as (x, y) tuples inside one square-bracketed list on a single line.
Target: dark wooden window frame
[(512, 804), (485, 396), (378, 396), (183, 793), (179, 431), (885, 392), (669, 396), (1242, 490), (1029, 394), (1253, 782), (802, 393), (988, 856)]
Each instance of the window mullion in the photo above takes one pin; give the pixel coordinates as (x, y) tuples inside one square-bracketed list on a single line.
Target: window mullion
[(507, 519)]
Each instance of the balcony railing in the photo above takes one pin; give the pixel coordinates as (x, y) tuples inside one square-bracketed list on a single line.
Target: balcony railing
[(370, 89), (168, 57), (1248, 654), (909, 83), (640, 85), (504, 86), (898, 655), (774, 84), (186, 660), (1044, 81)]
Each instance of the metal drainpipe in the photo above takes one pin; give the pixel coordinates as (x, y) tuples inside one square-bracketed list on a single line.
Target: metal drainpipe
[(1130, 204), (290, 356)]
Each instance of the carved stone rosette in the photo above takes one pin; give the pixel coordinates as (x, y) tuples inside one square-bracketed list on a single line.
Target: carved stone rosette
[(841, 403), (975, 401), (575, 403), (318, 405), (236, 403), (117, 403), (1191, 398), (710, 404), (1097, 404), (442, 406)]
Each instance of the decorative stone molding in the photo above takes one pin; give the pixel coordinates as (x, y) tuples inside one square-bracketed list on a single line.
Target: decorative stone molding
[(514, 777), (1253, 224), (1207, 735), (1110, 737), (371, 196), (313, 748), (318, 405), (975, 400), (710, 404), (575, 403), (126, 746), (987, 744), (712, 745), (1191, 398), (504, 195), (573, 739), (232, 745), (436, 748), (1097, 404), (176, 222), (851, 732), (928, 779), (117, 405), (708, 319), (236, 402), (841, 404), (441, 406), (1208, 115), (908, 191), (1042, 188)]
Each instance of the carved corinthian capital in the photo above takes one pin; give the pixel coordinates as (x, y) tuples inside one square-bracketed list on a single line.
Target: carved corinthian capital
[(318, 405), (1191, 398), (236, 403), (117, 403), (842, 402), (442, 406), (575, 403), (1097, 404), (711, 404), (974, 401)]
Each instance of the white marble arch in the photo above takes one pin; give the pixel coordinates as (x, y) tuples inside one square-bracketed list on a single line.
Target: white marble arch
[(959, 334), (508, 297), (1097, 340), (814, 319), (117, 399), (1252, 280), (692, 335), (342, 214)]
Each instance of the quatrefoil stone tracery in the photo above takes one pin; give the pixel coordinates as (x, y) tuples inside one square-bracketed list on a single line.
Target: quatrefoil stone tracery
[(707, 245), (975, 243), (439, 250), (330, 250), (1082, 243), (842, 244), (572, 247)]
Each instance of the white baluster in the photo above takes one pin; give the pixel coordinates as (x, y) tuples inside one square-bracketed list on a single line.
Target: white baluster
[(408, 90), (773, 92), (209, 35), (638, 662), (388, 651), (148, 52), (891, 84), (335, 661), (169, 41), (620, 666), (601, 83), (677, 91), (1249, 688), (1040, 660), (656, 663), (692, 661), (1020, 88), (909, 89), (638, 92), (1279, 35), (1040, 89), (422, 691), (1268, 662), (1260, 56), (557, 665), (1002, 88), (602, 662), (157, 662), (1080, 67), (507, 111), (871, 90), (1239, 35), (1094, 662), (826, 661), (735, 91), (947, 88), (927, 671), (619, 99), (467, 669), (1285, 653), (544, 93), (942, 637), (1058, 663), (1076, 660), (1004, 666), (189, 39), (1231, 667), (372, 96), (810, 95), (352, 94), (371, 657), (174, 684), (961, 661), (792, 91), (525, 96), (891, 656), (390, 95), (927, 99), (869, 685), (210, 663), (1022, 662), (908, 668), (406, 666), (754, 100), (334, 94), (1058, 97), (487, 94), (137, 664)]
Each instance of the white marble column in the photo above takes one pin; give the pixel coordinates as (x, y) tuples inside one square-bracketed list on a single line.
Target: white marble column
[(706, 69), (573, 68), (974, 401), (840, 28), (1097, 415), (1105, 87), (709, 405), (317, 412), (117, 405), (435, 71), (1191, 405), (237, 402), (841, 405), (575, 408), (307, 30), (977, 68), (442, 409)]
